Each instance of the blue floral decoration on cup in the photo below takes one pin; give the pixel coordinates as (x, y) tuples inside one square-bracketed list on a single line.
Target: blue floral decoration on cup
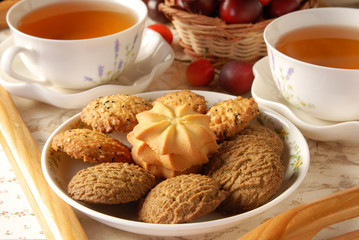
[(119, 65)]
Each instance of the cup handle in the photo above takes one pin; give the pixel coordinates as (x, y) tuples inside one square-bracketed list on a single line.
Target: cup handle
[(7, 64)]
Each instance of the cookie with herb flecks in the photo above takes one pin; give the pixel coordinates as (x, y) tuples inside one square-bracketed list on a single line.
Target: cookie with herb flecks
[(230, 116), (114, 113), (194, 100), (91, 146)]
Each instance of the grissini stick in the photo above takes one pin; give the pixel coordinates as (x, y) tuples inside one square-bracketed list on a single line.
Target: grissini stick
[(57, 219), (306, 220)]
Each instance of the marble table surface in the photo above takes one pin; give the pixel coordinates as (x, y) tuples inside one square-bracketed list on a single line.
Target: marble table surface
[(334, 167)]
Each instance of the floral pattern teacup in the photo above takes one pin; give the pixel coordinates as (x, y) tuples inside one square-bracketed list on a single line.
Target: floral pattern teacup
[(73, 64), (322, 92)]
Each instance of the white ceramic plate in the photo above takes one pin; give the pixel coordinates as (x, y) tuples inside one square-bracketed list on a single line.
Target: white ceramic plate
[(265, 92), (155, 56), (58, 169)]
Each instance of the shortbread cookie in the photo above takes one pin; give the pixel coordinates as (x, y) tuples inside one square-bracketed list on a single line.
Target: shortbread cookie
[(249, 169), (91, 146), (114, 113), (145, 157), (195, 101), (111, 183), (174, 137), (181, 199), (230, 116)]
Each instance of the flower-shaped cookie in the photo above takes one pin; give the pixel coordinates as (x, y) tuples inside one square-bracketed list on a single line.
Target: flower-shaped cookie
[(174, 137)]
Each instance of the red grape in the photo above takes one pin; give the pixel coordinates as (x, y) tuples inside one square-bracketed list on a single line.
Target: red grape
[(163, 30), (204, 7), (154, 13), (236, 77), (278, 8), (240, 11), (200, 72), (264, 2)]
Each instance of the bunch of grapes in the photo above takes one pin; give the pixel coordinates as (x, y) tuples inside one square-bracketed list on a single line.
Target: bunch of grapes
[(235, 77), (239, 11)]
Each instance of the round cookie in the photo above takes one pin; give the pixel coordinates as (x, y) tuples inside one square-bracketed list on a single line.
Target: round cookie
[(195, 101), (181, 199), (111, 183), (249, 169), (230, 116), (114, 113), (259, 131), (91, 146), (263, 134)]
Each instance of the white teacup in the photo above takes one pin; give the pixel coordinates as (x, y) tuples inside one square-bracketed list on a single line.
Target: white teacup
[(323, 92), (73, 64)]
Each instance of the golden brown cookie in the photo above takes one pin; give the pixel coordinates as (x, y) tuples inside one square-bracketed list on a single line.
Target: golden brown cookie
[(181, 199), (263, 134), (194, 100), (111, 183), (114, 113), (171, 138), (91, 146), (249, 169), (145, 157), (230, 116)]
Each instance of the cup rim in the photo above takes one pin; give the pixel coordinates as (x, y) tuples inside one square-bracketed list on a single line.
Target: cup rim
[(275, 21), (141, 19)]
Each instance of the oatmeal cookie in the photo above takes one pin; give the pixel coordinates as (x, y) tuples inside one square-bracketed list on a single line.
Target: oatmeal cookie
[(249, 169), (263, 134), (195, 101), (114, 113), (181, 199), (111, 183), (230, 116), (91, 146)]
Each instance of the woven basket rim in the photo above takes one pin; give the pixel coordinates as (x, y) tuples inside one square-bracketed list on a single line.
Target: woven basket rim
[(241, 41), (198, 19)]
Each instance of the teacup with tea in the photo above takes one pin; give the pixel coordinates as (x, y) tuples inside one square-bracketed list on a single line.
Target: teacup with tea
[(75, 44), (314, 60)]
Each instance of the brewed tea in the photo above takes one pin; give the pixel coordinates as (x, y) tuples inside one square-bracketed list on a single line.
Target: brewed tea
[(77, 20), (330, 46)]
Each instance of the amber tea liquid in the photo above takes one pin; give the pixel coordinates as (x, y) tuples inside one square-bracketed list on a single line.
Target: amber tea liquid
[(77, 20), (330, 46)]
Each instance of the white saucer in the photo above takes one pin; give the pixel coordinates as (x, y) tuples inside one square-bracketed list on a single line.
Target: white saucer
[(265, 92), (155, 56)]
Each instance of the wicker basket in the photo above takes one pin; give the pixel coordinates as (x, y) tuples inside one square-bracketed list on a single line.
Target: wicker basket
[(201, 35)]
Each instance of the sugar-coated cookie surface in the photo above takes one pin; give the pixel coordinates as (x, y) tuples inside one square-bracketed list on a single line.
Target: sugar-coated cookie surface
[(111, 183), (91, 146), (230, 116), (181, 199), (114, 113), (194, 100)]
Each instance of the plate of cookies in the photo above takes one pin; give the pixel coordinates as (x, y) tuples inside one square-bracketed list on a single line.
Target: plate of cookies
[(174, 163)]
